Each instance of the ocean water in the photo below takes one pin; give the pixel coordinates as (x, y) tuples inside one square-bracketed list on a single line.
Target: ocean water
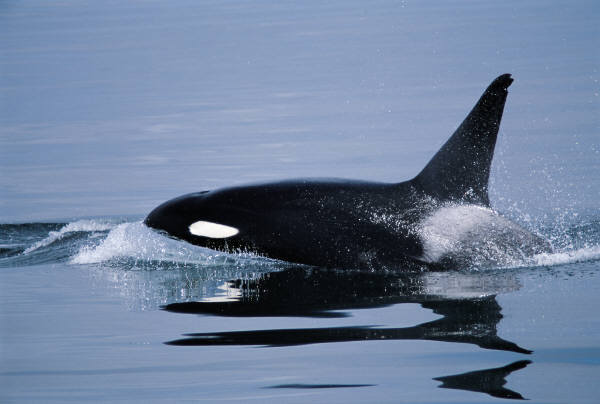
[(109, 108)]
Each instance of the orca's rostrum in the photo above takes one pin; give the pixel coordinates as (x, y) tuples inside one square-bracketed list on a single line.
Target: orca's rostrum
[(441, 218)]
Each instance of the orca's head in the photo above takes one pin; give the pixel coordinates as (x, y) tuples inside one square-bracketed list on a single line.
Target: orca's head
[(176, 215), (192, 218)]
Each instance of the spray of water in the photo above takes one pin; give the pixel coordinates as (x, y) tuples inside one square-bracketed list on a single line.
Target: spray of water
[(136, 246)]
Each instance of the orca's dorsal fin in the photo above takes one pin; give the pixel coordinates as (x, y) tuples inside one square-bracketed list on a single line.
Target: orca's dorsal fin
[(460, 170)]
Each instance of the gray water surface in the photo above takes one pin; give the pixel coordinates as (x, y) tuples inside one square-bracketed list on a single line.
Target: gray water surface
[(109, 108)]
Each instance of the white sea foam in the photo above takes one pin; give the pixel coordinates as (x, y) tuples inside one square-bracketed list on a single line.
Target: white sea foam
[(591, 253), (133, 240), (80, 225), (138, 242)]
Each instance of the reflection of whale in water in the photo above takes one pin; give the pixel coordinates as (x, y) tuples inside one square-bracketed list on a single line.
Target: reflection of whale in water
[(442, 217), (490, 381), (466, 301), (315, 292)]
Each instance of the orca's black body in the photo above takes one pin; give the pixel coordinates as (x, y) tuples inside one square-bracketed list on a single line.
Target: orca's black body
[(355, 224)]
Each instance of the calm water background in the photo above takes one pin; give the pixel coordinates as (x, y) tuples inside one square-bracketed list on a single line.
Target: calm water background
[(109, 108)]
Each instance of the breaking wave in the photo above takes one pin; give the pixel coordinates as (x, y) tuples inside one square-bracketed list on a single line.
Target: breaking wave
[(78, 226)]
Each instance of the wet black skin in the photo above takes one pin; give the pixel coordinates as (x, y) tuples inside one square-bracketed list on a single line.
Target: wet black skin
[(324, 223), (344, 223)]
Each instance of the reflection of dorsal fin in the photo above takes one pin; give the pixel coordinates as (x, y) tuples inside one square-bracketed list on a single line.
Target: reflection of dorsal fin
[(461, 168)]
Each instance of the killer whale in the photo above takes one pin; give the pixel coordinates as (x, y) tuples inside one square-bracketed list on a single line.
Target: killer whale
[(441, 218)]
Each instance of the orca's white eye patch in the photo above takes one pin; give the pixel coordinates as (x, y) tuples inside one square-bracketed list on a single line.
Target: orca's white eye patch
[(212, 230)]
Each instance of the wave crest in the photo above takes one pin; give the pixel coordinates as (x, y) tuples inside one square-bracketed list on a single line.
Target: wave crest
[(78, 226), (584, 254)]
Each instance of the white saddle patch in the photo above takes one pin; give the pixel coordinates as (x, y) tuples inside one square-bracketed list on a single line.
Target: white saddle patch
[(212, 230), (455, 229), (478, 237)]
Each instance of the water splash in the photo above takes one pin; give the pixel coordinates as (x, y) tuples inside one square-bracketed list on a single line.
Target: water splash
[(136, 246), (565, 257), (78, 226)]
